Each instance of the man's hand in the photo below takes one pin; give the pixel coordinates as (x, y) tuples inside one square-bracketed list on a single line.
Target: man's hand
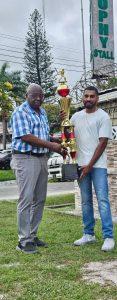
[(84, 171), (55, 147), (55, 139), (98, 152)]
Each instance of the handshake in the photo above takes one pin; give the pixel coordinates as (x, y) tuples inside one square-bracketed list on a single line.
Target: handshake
[(66, 146), (57, 145)]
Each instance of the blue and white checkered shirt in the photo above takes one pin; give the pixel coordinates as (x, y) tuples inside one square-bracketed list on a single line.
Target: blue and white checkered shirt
[(25, 121)]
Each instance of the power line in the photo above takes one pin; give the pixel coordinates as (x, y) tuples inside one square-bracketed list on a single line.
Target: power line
[(10, 61), (11, 56), (3, 49), (70, 70), (83, 39), (43, 7), (17, 40), (69, 49), (8, 46), (57, 58), (15, 62), (68, 65), (19, 57), (67, 59), (23, 40), (8, 36), (11, 37)]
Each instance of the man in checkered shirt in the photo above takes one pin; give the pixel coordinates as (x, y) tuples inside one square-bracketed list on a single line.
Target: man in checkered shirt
[(31, 143)]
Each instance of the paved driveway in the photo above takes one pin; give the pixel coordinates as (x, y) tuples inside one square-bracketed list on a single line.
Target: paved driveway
[(9, 191)]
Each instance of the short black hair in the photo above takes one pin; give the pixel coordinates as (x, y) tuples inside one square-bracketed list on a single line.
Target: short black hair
[(92, 88)]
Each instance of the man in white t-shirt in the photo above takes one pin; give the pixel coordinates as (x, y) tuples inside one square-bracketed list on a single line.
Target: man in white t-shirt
[(92, 128)]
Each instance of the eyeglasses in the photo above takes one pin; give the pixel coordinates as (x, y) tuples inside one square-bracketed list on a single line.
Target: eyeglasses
[(36, 96)]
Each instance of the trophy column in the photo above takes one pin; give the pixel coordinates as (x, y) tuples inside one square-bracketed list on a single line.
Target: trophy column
[(67, 130)]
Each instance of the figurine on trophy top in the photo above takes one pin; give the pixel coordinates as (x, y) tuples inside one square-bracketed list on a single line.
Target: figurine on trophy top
[(67, 129)]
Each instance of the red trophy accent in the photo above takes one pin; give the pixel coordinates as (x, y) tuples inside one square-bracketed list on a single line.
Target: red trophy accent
[(73, 154), (64, 91), (63, 137), (69, 170), (71, 135)]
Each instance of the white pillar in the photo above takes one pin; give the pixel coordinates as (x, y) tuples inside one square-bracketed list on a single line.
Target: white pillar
[(77, 198)]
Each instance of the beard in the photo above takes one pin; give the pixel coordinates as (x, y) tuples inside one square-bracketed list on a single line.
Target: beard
[(89, 105)]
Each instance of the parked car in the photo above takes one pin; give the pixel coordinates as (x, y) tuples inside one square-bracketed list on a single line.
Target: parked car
[(5, 158), (55, 166)]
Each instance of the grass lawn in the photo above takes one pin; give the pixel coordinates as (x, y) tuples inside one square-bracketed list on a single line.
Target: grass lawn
[(55, 272), (60, 200), (6, 175)]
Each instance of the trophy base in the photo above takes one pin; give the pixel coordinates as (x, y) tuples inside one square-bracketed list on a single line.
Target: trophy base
[(70, 172)]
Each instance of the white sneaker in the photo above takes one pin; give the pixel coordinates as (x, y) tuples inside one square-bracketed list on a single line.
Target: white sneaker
[(108, 244), (86, 238)]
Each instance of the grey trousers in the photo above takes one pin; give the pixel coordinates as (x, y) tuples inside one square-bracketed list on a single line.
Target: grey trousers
[(31, 175)]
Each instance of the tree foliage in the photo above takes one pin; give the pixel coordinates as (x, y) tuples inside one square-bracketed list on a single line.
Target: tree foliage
[(52, 111), (38, 60), (6, 100), (12, 90), (18, 86), (111, 83)]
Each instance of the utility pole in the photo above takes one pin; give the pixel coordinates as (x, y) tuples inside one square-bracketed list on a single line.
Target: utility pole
[(83, 40), (43, 8)]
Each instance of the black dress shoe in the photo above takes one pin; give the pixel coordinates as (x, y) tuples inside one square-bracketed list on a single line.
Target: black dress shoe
[(29, 248), (39, 243)]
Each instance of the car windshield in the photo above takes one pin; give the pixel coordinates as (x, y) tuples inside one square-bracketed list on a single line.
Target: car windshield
[(54, 154)]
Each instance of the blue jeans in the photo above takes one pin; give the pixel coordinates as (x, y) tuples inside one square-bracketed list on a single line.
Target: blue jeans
[(98, 177)]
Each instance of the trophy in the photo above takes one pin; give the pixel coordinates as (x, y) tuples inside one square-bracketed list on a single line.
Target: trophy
[(69, 170)]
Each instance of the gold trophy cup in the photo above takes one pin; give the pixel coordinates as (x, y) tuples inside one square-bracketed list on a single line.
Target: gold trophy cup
[(69, 170)]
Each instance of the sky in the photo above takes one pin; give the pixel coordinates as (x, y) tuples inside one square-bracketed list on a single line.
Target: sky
[(63, 30)]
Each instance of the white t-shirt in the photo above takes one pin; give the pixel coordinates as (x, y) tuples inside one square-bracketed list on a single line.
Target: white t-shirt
[(88, 128)]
